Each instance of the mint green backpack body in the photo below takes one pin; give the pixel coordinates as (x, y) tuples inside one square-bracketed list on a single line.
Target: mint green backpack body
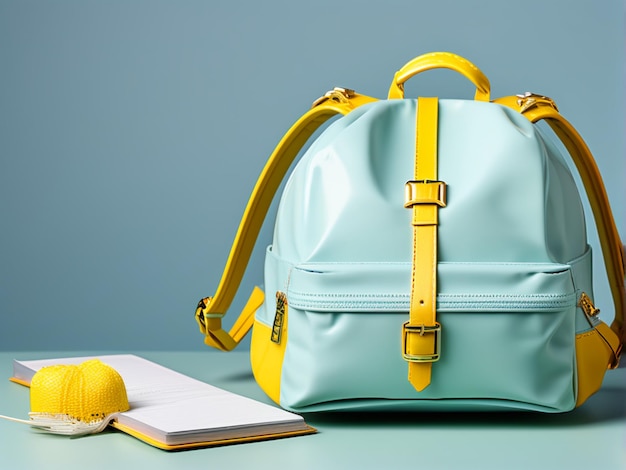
[(427, 254)]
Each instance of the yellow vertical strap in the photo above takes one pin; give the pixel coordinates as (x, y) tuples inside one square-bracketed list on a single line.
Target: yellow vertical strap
[(421, 334)]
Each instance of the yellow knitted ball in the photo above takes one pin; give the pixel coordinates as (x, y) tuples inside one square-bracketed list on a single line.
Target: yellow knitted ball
[(86, 392)]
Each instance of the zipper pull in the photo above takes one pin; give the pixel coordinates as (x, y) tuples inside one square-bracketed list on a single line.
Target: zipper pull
[(279, 317), (587, 306)]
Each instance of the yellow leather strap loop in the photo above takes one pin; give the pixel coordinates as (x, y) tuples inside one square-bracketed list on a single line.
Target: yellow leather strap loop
[(212, 309), (211, 324), (537, 108), (421, 340), (438, 60)]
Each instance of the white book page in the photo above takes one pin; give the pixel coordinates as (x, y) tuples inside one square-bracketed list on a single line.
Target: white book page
[(166, 403)]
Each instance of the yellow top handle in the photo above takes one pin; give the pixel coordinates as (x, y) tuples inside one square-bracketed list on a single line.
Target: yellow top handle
[(441, 60)]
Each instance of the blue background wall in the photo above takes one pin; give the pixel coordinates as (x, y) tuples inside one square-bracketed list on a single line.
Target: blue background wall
[(131, 133)]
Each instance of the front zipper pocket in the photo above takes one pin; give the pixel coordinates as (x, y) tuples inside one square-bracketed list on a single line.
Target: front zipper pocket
[(466, 286), (507, 335)]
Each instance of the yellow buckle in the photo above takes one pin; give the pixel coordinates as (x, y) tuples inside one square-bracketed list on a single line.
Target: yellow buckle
[(425, 192), (421, 330)]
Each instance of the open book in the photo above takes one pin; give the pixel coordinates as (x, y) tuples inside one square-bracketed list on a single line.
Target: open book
[(172, 411)]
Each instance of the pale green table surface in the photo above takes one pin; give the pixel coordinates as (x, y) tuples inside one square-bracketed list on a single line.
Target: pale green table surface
[(592, 437)]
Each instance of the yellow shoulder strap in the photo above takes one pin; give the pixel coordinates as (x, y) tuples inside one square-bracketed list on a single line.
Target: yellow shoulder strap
[(211, 309), (537, 108)]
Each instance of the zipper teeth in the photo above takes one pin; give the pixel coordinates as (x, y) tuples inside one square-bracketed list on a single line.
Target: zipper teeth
[(450, 302)]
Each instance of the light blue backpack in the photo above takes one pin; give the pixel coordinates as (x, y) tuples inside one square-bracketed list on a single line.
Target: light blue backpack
[(427, 254)]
